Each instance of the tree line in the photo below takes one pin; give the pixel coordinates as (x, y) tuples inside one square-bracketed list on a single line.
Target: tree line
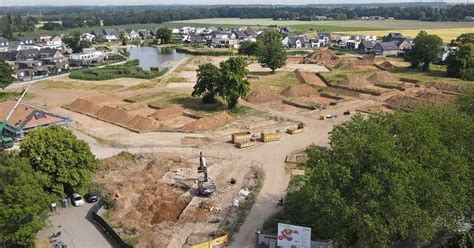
[(74, 17)]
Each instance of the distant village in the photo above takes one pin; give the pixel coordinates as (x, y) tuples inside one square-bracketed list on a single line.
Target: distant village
[(34, 58)]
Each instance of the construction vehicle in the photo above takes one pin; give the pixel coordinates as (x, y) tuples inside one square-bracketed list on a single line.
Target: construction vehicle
[(5, 141), (205, 185)]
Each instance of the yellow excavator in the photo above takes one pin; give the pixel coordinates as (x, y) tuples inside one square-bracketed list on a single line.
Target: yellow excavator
[(5, 141)]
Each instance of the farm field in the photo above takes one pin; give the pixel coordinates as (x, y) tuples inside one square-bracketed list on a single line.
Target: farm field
[(446, 34), (352, 25)]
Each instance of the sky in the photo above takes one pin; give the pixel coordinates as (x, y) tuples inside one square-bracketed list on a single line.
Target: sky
[(202, 2)]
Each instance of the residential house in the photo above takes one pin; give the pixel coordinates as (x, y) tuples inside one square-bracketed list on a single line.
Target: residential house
[(324, 39), (386, 48), (26, 118), (224, 40), (110, 35), (88, 36), (88, 57), (175, 31), (54, 42), (294, 41), (145, 34), (195, 39), (366, 46), (133, 34), (393, 37), (26, 41), (185, 30), (53, 59)]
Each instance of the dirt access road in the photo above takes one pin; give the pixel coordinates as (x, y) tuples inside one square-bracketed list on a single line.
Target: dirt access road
[(272, 157)]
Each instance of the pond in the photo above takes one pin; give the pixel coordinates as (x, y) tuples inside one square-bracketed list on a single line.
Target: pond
[(154, 56)]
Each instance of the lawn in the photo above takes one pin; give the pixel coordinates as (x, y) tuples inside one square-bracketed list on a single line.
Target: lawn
[(130, 69), (104, 88), (11, 95), (192, 104), (278, 81)]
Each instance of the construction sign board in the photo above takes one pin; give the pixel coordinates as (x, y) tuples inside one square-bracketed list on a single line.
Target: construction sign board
[(290, 236)]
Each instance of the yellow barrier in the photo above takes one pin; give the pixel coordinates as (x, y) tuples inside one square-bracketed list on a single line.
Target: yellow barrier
[(223, 240)]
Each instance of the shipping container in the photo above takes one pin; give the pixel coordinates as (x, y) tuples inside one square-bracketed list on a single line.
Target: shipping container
[(270, 136), (295, 130), (241, 137)]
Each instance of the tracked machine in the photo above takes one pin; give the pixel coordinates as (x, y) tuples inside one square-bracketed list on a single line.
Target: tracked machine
[(205, 185)]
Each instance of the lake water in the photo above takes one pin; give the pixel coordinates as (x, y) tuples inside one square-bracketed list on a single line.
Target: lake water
[(154, 56)]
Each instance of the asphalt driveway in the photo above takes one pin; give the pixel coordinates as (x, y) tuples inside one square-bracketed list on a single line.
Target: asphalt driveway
[(77, 229)]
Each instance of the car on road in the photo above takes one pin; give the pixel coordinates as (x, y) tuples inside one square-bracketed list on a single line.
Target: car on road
[(91, 197), (77, 200)]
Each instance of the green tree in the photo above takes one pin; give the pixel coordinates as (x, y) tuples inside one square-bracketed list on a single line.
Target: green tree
[(8, 30), (461, 62), (208, 77), (56, 153), (425, 50), (270, 50), (75, 42), (164, 34), (389, 177), (6, 74), (232, 84), (123, 38), (248, 48), (23, 203)]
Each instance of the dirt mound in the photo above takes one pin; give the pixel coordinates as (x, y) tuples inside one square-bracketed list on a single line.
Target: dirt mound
[(388, 66), (435, 97), (208, 122), (83, 106), (406, 102), (310, 78), (262, 95), (322, 57), (102, 98), (357, 81), (114, 115), (368, 57), (143, 123), (299, 90), (382, 77), (168, 112)]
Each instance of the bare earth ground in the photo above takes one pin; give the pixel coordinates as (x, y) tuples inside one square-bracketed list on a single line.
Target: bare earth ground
[(106, 140)]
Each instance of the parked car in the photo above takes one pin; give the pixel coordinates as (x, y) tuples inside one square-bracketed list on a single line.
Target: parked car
[(77, 200), (91, 197)]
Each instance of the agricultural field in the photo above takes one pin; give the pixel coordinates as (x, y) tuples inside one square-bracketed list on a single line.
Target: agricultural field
[(446, 34), (335, 26)]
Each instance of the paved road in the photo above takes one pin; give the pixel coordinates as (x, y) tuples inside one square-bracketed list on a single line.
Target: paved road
[(77, 229)]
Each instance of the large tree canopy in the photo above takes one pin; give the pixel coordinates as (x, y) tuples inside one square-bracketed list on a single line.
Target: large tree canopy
[(461, 62), (389, 177), (6, 74), (208, 77), (425, 50), (164, 34), (233, 83), (270, 50), (23, 203), (66, 162)]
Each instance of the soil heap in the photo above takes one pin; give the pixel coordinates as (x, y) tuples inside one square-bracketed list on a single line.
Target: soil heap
[(83, 106), (323, 56), (168, 112), (382, 77), (208, 122), (388, 66), (355, 81), (299, 90), (262, 95)]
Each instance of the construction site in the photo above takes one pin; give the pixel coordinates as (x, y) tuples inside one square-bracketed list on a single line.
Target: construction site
[(150, 133)]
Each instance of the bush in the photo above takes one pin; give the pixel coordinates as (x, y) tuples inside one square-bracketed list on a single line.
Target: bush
[(467, 74), (109, 202)]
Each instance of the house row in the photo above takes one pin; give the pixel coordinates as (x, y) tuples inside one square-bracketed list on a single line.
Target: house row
[(114, 35), (25, 43), (35, 63), (220, 38)]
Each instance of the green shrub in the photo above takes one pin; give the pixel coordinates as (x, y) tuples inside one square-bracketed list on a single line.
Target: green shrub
[(467, 74)]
